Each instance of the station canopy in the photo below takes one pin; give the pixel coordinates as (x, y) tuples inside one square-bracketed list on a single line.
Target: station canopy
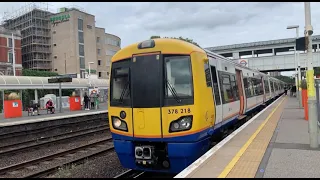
[(33, 82)]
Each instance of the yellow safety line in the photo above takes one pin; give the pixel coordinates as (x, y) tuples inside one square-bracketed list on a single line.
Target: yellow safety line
[(235, 159)]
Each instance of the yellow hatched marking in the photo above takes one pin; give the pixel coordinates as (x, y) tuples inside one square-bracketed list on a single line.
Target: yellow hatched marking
[(236, 158)]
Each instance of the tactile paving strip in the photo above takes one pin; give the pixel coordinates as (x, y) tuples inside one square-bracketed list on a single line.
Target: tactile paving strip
[(248, 163)]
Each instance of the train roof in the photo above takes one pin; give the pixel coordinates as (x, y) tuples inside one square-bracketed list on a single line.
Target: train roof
[(174, 46), (165, 45)]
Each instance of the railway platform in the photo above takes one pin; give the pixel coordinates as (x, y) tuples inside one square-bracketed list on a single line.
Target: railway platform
[(274, 143), (66, 113)]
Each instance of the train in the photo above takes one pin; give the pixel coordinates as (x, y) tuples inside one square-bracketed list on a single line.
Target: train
[(169, 99)]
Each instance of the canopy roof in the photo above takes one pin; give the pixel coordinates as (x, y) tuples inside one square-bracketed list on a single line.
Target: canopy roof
[(32, 82)]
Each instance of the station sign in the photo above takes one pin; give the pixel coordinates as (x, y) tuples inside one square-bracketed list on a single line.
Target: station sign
[(60, 79), (59, 19), (243, 62)]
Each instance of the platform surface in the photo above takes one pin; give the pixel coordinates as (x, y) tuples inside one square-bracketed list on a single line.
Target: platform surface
[(275, 143), (44, 116)]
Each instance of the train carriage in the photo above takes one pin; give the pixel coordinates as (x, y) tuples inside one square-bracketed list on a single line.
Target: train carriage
[(169, 98)]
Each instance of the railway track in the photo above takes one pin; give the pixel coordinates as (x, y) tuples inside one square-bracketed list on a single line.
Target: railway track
[(49, 164), (130, 174), (22, 146), (47, 128)]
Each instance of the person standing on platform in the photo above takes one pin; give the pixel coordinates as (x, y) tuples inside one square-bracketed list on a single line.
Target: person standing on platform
[(285, 90), (86, 101)]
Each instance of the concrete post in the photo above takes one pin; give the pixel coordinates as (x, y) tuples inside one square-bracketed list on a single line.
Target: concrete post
[(299, 72), (312, 103), (36, 96), (81, 96), (60, 97)]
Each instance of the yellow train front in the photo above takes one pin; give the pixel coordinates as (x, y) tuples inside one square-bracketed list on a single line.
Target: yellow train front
[(160, 107)]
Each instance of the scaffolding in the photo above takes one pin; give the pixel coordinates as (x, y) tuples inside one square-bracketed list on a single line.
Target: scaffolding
[(33, 22)]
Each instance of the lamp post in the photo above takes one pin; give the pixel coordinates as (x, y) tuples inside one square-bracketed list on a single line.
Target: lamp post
[(297, 62), (312, 102)]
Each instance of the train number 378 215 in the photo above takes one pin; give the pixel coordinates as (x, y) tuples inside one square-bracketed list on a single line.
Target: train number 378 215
[(176, 111)]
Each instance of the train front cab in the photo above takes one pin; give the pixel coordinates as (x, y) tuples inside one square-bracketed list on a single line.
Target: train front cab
[(160, 107)]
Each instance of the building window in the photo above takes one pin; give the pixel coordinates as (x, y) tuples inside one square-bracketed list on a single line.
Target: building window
[(10, 57), (99, 62), (98, 39), (110, 52), (107, 73), (82, 63), (80, 24), (99, 74), (112, 42), (80, 38), (98, 51), (9, 42), (89, 26), (81, 50)]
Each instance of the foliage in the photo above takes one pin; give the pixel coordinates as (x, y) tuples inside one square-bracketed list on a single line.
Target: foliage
[(180, 38), (286, 79), (28, 72), (316, 71), (12, 96)]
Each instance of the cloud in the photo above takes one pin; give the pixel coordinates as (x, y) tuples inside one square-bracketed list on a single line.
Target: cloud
[(207, 23)]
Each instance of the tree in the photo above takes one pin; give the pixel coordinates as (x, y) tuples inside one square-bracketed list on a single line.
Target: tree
[(286, 79), (29, 72), (316, 71), (181, 38)]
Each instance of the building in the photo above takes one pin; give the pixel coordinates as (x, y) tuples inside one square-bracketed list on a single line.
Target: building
[(67, 42), (78, 45), (35, 33), (107, 46), (6, 55), (73, 42)]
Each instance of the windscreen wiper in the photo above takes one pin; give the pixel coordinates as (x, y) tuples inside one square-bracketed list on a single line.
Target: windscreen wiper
[(123, 92), (173, 91)]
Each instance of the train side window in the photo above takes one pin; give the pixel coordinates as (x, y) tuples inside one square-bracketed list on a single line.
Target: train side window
[(271, 85), (207, 74), (266, 86), (251, 87), (260, 86), (234, 87), (215, 85), (226, 89), (246, 88)]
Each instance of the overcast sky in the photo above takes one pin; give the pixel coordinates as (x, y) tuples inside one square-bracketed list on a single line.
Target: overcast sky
[(207, 23)]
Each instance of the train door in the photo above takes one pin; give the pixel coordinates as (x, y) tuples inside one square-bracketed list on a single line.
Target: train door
[(146, 95), (241, 93), (216, 93)]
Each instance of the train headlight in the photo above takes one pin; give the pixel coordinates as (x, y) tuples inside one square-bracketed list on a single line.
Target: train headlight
[(119, 124), (182, 124)]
